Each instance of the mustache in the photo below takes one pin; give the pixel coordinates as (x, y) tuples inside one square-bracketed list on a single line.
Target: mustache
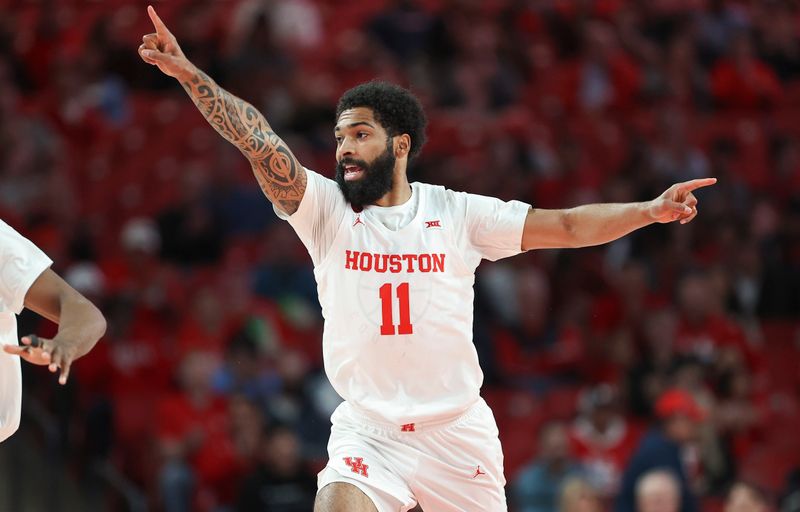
[(352, 161)]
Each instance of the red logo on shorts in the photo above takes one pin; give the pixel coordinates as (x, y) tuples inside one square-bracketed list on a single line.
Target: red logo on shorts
[(478, 472), (432, 224), (408, 427), (357, 465)]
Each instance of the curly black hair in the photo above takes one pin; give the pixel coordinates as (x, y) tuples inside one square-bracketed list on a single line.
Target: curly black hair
[(394, 107)]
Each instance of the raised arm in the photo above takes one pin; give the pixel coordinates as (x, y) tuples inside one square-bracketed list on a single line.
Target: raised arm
[(596, 224), (80, 325), (281, 177)]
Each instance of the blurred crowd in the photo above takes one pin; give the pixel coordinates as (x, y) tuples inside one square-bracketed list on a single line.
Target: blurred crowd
[(661, 368)]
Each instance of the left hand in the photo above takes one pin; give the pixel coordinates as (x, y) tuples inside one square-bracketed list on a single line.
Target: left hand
[(56, 353), (161, 49), (678, 202)]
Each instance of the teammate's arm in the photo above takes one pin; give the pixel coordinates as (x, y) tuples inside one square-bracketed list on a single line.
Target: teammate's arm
[(80, 324), (596, 224), (281, 177)]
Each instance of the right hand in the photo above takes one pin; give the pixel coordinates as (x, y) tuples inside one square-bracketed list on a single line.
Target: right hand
[(678, 202), (31, 350), (55, 353), (161, 49)]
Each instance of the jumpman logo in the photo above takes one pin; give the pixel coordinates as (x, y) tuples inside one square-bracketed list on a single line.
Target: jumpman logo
[(358, 221), (478, 472)]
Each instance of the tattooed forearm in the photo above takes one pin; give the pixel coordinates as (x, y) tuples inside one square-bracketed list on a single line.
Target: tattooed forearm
[(223, 110), (281, 177)]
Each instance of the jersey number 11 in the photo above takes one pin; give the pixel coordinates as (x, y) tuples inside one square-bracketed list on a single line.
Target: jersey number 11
[(387, 325)]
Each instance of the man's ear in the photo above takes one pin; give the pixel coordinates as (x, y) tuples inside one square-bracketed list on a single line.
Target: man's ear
[(402, 145)]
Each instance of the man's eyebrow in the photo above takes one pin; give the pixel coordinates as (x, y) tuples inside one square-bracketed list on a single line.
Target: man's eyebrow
[(353, 125)]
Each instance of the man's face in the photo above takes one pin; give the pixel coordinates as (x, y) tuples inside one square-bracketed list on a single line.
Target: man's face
[(682, 429), (365, 158), (742, 499), (602, 417), (660, 500), (554, 444)]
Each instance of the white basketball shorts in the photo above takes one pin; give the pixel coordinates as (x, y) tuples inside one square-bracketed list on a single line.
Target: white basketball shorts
[(450, 466)]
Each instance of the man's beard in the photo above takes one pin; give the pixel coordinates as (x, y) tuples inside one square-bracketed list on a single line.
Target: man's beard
[(375, 182)]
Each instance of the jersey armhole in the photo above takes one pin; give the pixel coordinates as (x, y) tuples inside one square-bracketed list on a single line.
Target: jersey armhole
[(451, 234), (339, 230), (26, 284)]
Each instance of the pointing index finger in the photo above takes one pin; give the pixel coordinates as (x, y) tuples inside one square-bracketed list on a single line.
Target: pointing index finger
[(161, 29), (689, 186)]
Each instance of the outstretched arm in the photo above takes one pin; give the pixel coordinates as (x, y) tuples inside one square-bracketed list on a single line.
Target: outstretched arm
[(596, 224), (80, 325), (281, 177)]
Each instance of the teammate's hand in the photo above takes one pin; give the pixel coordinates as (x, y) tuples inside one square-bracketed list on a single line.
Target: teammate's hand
[(56, 353), (678, 202), (161, 49), (31, 350)]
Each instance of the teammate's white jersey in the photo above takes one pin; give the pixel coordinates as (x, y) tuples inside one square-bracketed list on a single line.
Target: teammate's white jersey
[(21, 263), (396, 288)]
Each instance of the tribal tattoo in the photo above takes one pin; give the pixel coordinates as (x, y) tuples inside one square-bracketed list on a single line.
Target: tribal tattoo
[(281, 177)]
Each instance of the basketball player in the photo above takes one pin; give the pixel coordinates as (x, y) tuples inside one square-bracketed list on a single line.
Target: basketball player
[(394, 263), (26, 280)]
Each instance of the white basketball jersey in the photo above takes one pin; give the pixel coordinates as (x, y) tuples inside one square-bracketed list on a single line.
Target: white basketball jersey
[(21, 263), (398, 303)]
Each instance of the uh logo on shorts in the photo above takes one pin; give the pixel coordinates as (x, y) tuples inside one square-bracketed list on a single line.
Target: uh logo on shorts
[(357, 465)]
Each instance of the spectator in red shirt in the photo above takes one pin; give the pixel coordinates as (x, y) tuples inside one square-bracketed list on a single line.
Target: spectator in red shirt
[(627, 301), (738, 414), (704, 330), (537, 344), (742, 81), (194, 441), (605, 76), (602, 439), (206, 327)]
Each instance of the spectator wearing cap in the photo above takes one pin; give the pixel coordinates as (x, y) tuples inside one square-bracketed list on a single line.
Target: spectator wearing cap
[(663, 448)]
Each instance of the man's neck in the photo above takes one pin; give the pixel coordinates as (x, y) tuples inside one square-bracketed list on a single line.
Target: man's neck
[(400, 193)]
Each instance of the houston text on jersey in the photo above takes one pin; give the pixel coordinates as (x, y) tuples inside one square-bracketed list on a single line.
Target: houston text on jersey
[(394, 263)]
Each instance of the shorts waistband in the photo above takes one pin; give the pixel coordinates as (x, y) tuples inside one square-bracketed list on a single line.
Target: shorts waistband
[(418, 426)]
